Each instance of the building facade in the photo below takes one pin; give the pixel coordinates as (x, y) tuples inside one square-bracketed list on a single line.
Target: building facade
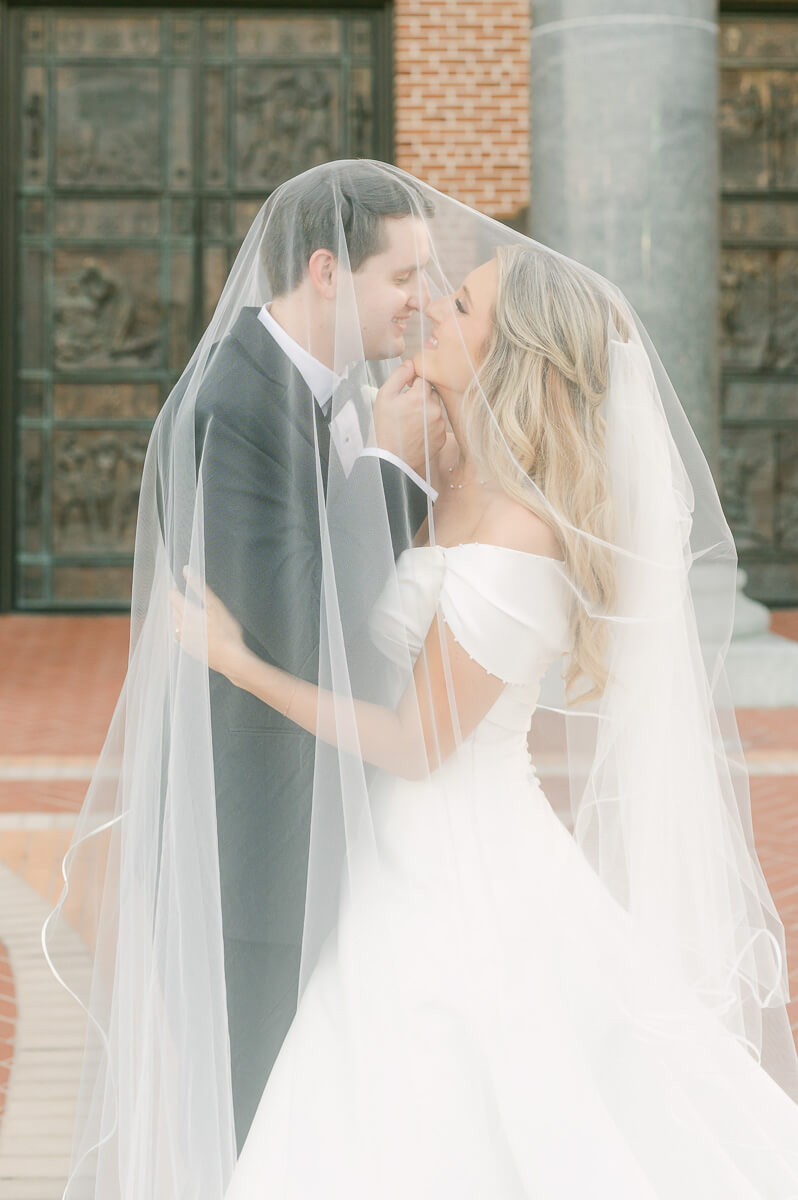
[(139, 142)]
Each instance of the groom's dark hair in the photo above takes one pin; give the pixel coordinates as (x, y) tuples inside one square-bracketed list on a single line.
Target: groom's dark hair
[(304, 217)]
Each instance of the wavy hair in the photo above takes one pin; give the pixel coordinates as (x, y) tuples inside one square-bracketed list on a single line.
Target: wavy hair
[(544, 376)]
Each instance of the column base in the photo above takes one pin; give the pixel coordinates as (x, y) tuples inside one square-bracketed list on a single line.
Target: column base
[(761, 666)]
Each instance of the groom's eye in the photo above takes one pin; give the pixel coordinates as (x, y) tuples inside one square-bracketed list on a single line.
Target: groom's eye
[(402, 278)]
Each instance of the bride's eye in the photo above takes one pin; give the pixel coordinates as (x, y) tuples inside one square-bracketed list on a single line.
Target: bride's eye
[(459, 306)]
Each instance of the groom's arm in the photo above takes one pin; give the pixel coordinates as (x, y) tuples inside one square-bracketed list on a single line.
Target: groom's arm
[(406, 495), (263, 560), (372, 516)]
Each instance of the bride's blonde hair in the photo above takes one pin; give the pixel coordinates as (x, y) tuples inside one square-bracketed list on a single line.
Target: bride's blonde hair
[(544, 375)]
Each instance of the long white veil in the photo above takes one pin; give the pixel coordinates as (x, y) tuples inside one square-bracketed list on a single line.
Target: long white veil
[(214, 823)]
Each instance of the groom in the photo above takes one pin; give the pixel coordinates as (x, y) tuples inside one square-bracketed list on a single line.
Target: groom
[(269, 383)]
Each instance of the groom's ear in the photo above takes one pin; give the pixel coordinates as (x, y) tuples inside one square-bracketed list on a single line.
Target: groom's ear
[(323, 270)]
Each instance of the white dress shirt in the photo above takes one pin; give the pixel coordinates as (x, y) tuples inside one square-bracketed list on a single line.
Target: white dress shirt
[(322, 381)]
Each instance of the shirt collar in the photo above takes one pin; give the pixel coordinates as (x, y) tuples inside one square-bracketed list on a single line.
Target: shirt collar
[(321, 380)]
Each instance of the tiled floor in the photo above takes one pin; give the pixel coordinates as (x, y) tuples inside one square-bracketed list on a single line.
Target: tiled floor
[(60, 679)]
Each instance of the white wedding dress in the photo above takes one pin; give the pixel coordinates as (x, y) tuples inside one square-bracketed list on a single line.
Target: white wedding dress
[(513, 1067)]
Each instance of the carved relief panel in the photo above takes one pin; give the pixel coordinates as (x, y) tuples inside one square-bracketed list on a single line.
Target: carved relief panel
[(147, 142), (759, 298)]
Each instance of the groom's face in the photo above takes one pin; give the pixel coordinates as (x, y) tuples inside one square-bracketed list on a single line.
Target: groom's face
[(390, 287)]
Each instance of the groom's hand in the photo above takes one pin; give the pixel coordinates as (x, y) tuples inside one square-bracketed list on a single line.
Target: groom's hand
[(409, 423)]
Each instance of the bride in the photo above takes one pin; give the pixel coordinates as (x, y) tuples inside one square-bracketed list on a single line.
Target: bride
[(568, 1059), (478, 971)]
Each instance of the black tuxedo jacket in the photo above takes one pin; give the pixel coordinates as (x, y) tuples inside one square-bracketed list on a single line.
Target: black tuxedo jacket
[(256, 461)]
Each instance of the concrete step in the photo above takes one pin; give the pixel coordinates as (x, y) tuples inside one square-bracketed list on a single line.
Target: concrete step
[(31, 1189), (34, 1166)]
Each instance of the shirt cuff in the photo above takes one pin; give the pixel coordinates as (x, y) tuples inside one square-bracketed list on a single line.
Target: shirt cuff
[(378, 452)]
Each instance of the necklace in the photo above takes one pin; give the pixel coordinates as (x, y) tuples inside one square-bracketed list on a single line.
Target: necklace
[(453, 485), (463, 484)]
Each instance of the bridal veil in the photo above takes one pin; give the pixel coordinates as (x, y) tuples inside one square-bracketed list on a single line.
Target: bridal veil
[(634, 737)]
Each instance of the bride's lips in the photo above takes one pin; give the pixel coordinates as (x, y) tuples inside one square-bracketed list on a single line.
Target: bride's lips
[(431, 342)]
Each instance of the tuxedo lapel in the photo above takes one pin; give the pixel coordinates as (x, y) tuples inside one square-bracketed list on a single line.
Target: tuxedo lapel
[(263, 352), (323, 433)]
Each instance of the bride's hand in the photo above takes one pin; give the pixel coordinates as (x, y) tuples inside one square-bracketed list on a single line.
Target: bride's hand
[(224, 638)]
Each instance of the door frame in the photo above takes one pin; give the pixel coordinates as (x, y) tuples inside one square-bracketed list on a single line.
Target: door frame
[(8, 158), (9, 150)]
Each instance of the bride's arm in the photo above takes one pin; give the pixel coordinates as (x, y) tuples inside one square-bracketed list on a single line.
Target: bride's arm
[(431, 719), (411, 740)]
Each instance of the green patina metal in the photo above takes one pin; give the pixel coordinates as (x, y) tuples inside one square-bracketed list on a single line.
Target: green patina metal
[(143, 143), (759, 294)]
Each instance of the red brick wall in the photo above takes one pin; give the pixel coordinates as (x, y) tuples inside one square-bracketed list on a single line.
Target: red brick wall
[(462, 99)]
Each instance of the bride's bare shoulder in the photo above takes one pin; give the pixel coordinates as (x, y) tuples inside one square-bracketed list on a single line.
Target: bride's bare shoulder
[(508, 523)]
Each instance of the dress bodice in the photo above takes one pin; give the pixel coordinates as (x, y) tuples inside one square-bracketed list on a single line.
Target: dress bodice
[(507, 608)]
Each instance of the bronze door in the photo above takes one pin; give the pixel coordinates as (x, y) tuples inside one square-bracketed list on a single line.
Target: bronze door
[(146, 141), (759, 298)]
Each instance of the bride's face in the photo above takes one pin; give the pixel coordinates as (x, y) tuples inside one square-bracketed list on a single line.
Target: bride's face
[(461, 325)]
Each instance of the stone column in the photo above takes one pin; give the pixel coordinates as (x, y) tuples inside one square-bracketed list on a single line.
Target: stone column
[(625, 169), (624, 151)]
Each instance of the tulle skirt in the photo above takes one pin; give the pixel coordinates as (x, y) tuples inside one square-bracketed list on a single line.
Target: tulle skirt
[(487, 1022)]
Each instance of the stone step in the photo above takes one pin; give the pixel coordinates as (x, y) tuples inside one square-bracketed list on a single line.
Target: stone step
[(66, 1036), (35, 1166), (41, 1109), (21, 1140), (37, 1090), (45, 1072), (31, 1189)]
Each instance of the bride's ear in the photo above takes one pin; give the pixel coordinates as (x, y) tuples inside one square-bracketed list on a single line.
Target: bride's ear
[(323, 271)]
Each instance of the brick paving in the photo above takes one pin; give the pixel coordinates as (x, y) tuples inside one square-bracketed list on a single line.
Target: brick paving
[(8, 1022), (60, 680)]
